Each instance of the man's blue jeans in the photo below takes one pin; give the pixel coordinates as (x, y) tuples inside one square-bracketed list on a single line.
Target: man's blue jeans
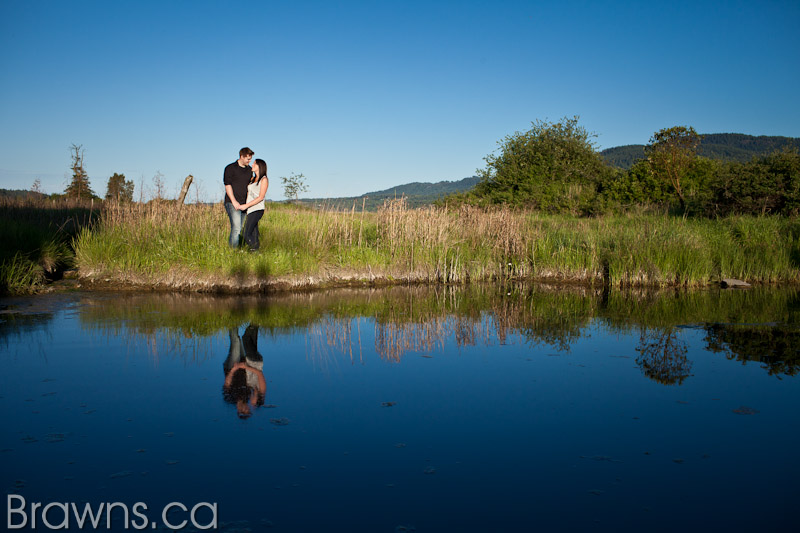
[(237, 219)]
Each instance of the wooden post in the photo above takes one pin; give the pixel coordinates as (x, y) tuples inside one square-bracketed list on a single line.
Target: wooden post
[(185, 189)]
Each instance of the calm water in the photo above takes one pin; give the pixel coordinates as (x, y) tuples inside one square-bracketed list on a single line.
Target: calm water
[(481, 409)]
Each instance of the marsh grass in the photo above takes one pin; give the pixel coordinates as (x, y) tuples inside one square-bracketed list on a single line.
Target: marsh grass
[(186, 247), (35, 238)]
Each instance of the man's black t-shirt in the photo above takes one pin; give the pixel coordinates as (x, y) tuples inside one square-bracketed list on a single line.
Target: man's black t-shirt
[(238, 178)]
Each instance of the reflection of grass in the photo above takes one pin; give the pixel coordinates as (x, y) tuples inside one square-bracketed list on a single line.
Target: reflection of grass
[(424, 319), (149, 243)]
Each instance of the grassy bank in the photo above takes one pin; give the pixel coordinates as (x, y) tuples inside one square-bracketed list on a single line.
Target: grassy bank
[(186, 248), (35, 240)]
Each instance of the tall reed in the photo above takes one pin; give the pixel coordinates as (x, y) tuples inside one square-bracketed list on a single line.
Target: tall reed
[(186, 247)]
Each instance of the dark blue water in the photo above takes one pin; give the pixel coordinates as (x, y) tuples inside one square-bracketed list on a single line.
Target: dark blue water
[(399, 410)]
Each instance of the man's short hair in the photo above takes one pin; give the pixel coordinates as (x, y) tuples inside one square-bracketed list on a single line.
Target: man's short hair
[(244, 152)]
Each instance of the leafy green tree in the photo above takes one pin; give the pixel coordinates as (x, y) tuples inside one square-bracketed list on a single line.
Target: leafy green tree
[(293, 186), (671, 152), (635, 188), (767, 185), (119, 189), (79, 186), (552, 167)]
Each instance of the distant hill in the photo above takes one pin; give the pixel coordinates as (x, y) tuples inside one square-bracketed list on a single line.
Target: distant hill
[(724, 146), (418, 194), (21, 194)]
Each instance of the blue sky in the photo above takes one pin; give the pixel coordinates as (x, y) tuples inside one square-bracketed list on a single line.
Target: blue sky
[(361, 96)]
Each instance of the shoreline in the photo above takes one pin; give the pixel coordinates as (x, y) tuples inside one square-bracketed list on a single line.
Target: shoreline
[(193, 284)]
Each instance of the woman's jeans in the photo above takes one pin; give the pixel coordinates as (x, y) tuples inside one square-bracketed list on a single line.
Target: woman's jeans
[(236, 217), (251, 229)]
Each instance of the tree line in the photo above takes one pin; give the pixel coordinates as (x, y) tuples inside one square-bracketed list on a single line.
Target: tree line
[(555, 168), (120, 189)]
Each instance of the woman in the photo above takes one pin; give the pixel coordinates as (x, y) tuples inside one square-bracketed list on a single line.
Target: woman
[(245, 385), (255, 203)]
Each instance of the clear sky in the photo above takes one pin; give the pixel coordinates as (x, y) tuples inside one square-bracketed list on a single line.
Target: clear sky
[(361, 96)]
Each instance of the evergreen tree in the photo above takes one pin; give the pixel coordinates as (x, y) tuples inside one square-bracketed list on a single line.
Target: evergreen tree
[(119, 189), (79, 186)]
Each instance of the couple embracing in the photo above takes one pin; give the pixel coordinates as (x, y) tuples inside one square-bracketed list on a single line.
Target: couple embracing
[(245, 188)]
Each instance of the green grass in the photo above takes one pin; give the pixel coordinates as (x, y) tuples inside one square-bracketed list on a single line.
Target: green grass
[(188, 248), (35, 241)]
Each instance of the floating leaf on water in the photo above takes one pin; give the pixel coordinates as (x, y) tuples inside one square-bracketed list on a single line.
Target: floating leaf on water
[(6, 450), (141, 450), (388, 404), (430, 470), (49, 394), (678, 460), (27, 439), (744, 410), (90, 411), (169, 434), (682, 402), (279, 421), (403, 529), (124, 473), (270, 406), (400, 445), (172, 462), (427, 356), (596, 492)]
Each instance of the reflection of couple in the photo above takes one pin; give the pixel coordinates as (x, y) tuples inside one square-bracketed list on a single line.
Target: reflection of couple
[(245, 385), (245, 188)]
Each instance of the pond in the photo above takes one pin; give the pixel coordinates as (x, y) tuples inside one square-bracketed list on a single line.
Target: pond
[(482, 408)]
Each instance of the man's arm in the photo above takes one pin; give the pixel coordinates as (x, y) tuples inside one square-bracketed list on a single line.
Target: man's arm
[(229, 192)]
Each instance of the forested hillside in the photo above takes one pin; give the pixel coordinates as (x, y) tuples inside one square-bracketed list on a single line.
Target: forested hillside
[(720, 146), (417, 194)]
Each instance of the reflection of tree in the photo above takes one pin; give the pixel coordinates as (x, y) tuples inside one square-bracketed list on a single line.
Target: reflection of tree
[(662, 356), (777, 348)]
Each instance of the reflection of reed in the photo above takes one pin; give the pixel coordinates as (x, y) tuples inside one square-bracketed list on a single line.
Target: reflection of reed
[(330, 334), (393, 339)]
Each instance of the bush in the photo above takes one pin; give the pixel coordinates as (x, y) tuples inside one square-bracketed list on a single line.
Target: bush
[(553, 167)]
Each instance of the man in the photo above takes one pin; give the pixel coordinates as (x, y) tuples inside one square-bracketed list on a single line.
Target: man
[(236, 178)]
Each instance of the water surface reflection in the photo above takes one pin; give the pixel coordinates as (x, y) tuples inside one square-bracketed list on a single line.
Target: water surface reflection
[(483, 408)]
